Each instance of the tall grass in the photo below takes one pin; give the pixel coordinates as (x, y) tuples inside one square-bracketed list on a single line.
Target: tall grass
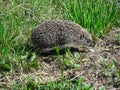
[(95, 15)]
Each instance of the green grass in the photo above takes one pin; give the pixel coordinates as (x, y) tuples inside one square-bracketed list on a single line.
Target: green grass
[(62, 85), (95, 15), (17, 20), (19, 17)]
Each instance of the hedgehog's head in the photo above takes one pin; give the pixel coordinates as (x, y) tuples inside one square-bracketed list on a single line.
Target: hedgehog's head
[(86, 39)]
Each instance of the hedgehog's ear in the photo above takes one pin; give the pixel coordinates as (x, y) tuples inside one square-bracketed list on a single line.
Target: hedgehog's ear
[(82, 36)]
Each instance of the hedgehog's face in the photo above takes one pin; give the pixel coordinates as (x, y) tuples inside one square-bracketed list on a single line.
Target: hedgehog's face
[(85, 40), (89, 42)]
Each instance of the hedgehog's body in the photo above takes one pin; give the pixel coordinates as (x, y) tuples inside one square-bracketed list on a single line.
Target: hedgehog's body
[(60, 33)]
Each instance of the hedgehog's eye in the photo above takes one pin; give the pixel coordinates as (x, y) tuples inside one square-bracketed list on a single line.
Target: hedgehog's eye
[(90, 43), (82, 36)]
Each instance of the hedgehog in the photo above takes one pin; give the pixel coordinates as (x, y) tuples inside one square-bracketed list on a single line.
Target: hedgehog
[(63, 34)]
